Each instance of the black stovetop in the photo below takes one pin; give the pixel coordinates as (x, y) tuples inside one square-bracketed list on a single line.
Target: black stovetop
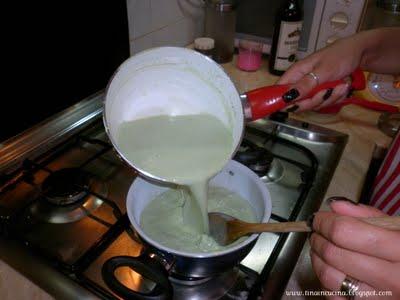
[(77, 233)]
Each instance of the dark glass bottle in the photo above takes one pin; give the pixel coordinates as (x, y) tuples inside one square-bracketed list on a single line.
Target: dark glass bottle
[(288, 24)]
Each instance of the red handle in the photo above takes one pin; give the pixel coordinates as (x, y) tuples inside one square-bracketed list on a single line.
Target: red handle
[(335, 108), (267, 100)]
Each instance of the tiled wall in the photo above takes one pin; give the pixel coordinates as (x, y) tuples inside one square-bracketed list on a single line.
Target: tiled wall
[(155, 23)]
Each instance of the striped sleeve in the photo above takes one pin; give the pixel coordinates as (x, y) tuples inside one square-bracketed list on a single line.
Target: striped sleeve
[(386, 189)]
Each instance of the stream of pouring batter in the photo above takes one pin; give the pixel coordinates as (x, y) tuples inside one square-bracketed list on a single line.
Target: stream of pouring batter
[(186, 149)]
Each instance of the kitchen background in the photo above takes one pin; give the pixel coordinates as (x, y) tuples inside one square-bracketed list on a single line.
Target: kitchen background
[(37, 45), (154, 23), (70, 49), (59, 53)]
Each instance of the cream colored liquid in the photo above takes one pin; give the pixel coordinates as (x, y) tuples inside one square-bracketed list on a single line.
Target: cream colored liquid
[(163, 221), (187, 150)]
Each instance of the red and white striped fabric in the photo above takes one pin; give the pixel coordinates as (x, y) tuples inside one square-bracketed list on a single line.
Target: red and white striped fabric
[(386, 190)]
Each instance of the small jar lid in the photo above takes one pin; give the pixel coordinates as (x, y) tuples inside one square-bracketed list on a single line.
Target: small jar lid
[(204, 43)]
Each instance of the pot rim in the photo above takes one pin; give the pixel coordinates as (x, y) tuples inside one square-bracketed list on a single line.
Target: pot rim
[(265, 218)]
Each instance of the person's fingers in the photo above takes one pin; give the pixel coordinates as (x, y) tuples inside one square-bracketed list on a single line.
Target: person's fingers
[(307, 104), (356, 265), (338, 93), (344, 207), (300, 89), (296, 72), (330, 277), (335, 298), (333, 102), (303, 86), (356, 235), (322, 98)]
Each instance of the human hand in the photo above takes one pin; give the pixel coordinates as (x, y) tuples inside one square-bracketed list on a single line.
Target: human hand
[(344, 246), (331, 63)]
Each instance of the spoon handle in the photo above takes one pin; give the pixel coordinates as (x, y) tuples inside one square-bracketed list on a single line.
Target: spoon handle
[(300, 226), (392, 223)]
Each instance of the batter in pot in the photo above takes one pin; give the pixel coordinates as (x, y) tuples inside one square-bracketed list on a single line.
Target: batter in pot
[(162, 219)]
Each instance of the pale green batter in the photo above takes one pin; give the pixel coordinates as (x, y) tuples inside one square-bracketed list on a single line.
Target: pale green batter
[(185, 149), (182, 149), (162, 219)]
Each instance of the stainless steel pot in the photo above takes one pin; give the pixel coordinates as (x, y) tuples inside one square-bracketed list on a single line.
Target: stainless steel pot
[(159, 261)]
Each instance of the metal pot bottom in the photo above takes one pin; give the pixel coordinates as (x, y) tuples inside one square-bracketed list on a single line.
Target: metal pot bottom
[(214, 287)]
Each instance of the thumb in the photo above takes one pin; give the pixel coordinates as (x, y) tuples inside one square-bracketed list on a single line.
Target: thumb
[(343, 206)]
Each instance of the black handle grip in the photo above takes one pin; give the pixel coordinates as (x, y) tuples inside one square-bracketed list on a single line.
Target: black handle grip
[(145, 266)]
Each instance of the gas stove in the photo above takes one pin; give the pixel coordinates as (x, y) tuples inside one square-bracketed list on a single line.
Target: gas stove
[(63, 214)]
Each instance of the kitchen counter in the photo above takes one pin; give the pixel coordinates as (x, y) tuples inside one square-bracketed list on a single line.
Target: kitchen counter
[(358, 123), (348, 179), (14, 286)]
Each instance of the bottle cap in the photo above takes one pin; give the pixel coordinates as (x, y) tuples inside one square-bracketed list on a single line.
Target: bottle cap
[(204, 43)]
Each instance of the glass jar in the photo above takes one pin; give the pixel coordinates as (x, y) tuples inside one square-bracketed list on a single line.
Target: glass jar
[(250, 53), (220, 23)]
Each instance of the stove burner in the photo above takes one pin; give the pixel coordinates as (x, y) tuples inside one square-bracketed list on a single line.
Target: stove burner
[(65, 186), (66, 197), (261, 161), (254, 157)]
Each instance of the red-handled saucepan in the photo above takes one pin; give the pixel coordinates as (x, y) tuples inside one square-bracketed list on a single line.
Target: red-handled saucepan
[(179, 81), (266, 100)]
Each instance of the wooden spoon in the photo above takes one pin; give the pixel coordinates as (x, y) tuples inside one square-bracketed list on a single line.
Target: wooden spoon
[(226, 229)]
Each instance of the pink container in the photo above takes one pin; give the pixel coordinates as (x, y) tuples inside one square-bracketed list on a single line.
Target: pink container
[(249, 58)]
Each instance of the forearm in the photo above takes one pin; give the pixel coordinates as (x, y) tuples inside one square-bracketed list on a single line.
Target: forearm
[(381, 50)]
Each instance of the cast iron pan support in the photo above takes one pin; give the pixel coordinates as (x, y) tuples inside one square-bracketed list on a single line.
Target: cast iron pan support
[(147, 266)]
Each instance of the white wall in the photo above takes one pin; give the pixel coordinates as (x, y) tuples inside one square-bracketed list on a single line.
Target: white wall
[(154, 23)]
